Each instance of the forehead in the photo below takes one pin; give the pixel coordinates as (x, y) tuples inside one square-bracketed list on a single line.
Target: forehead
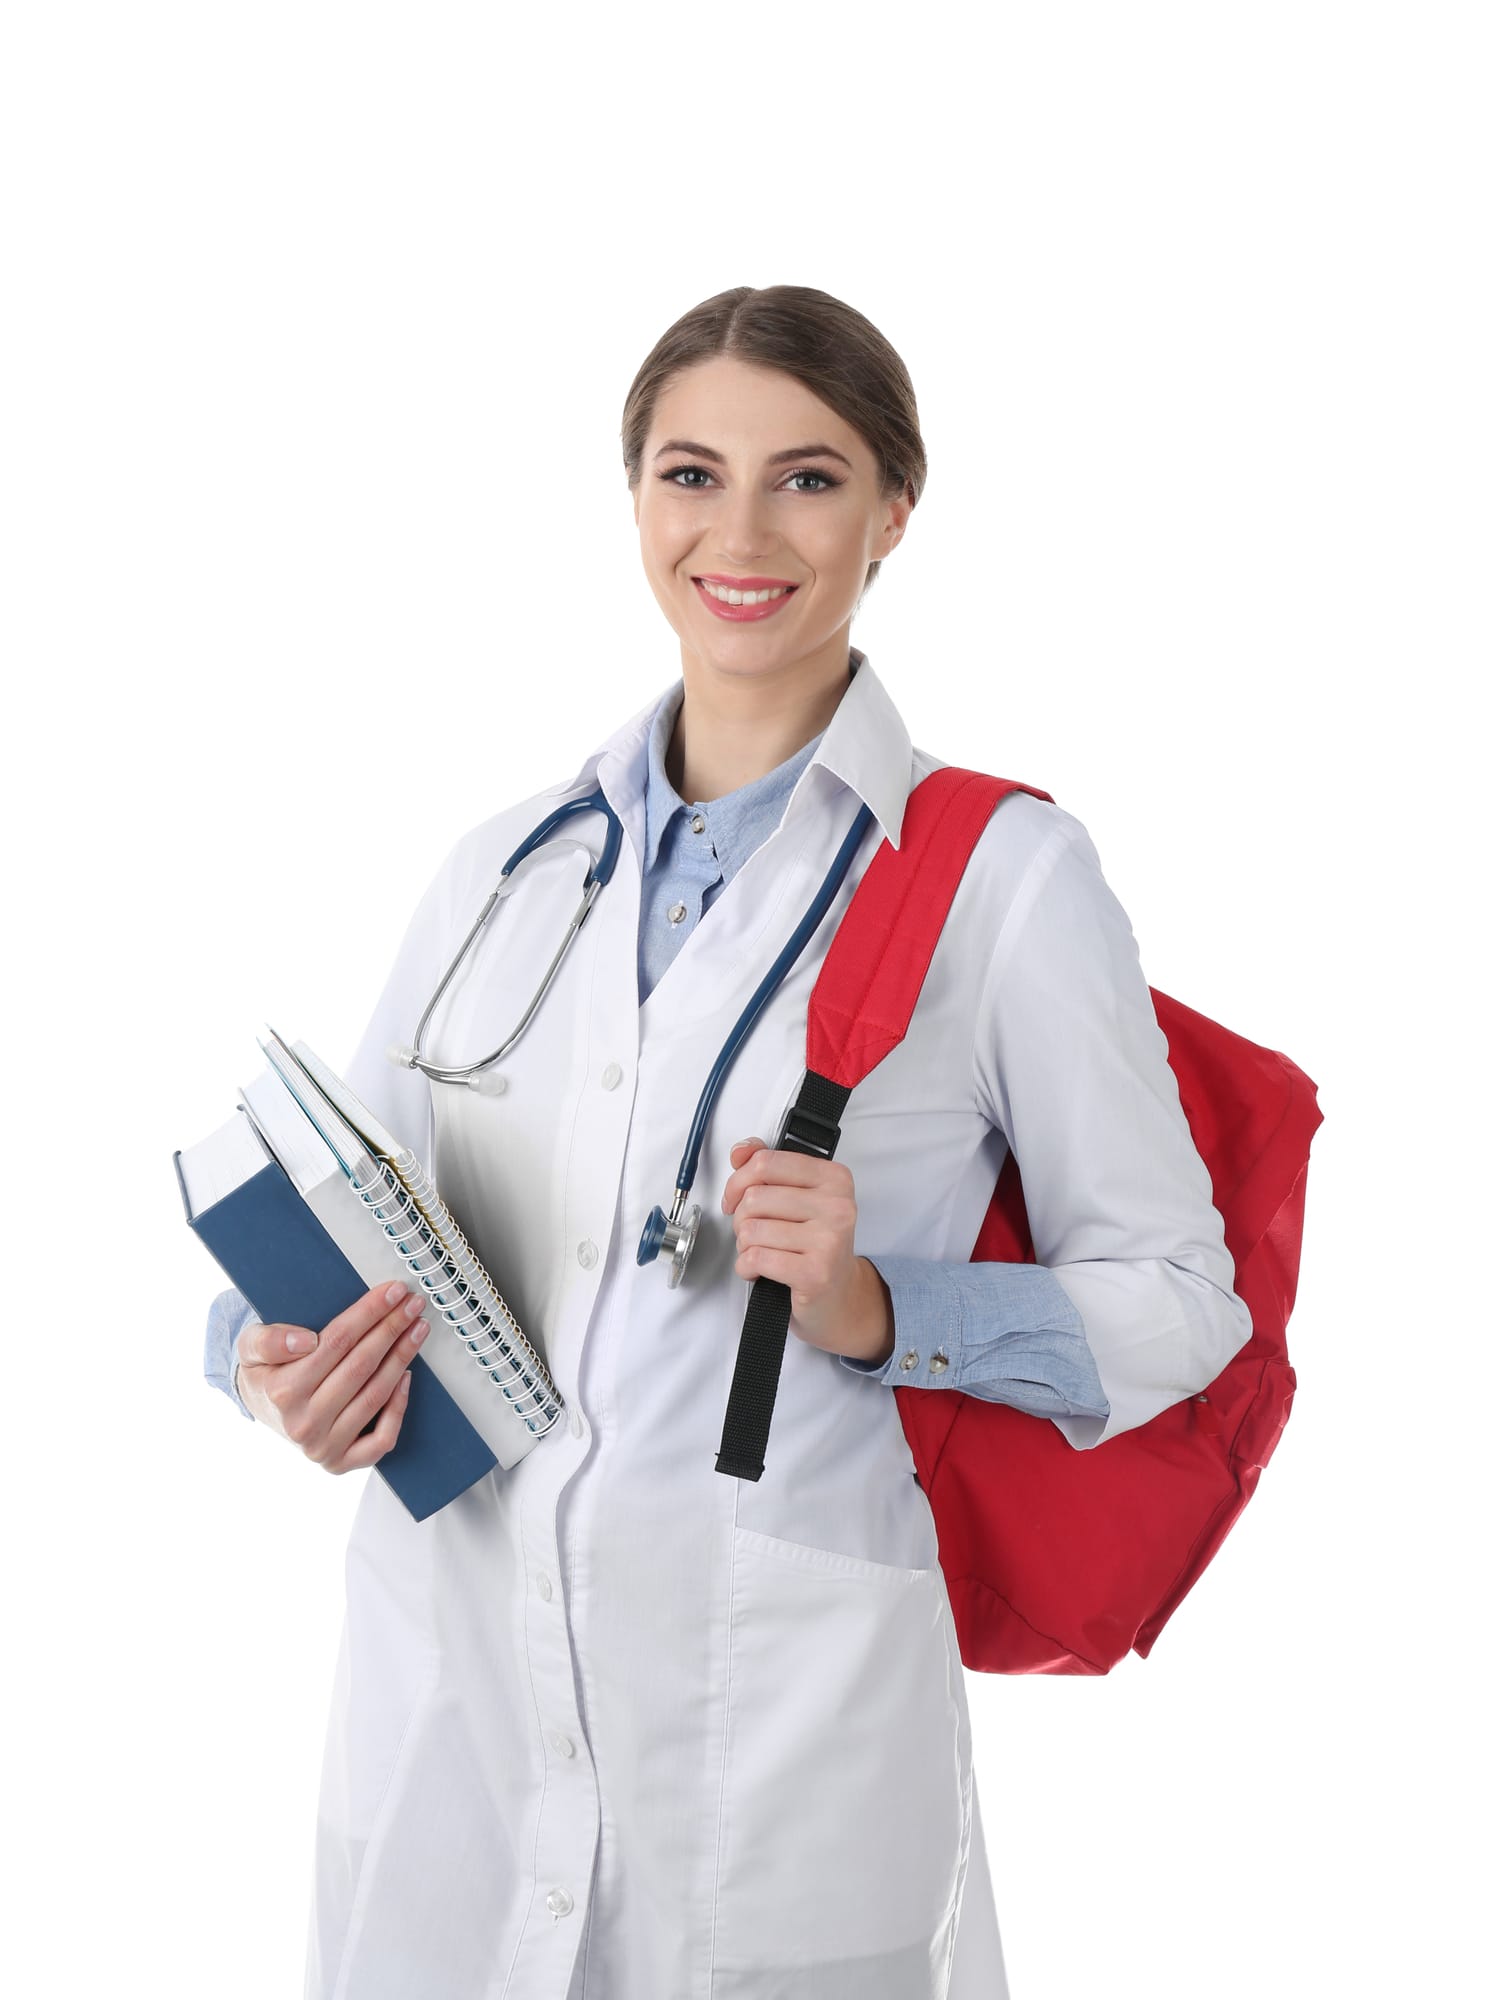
[(726, 401)]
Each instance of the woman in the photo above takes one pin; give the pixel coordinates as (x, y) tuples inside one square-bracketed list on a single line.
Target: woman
[(612, 1725)]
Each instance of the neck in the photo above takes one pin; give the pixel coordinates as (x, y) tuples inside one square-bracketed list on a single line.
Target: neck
[(732, 729)]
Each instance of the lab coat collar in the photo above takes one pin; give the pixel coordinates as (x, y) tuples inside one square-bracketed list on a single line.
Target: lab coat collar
[(866, 747)]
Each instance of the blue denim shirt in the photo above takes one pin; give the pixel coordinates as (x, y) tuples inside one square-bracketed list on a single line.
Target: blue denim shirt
[(1010, 1331)]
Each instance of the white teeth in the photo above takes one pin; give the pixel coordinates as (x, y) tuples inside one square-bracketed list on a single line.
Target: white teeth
[(726, 596)]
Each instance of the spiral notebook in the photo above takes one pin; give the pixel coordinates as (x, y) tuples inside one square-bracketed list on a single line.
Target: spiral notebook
[(380, 1215)]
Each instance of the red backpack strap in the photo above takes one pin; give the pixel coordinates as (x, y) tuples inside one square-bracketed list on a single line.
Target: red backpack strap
[(867, 990), (860, 1007)]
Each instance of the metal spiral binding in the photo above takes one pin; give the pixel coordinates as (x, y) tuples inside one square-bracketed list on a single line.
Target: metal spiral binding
[(435, 1249)]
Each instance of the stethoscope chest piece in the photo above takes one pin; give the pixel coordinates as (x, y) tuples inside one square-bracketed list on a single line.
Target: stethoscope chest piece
[(670, 1236)]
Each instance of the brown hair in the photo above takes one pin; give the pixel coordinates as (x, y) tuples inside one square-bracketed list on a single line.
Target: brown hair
[(838, 354)]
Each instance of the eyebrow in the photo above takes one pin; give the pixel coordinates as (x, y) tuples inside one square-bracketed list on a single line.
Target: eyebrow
[(776, 457)]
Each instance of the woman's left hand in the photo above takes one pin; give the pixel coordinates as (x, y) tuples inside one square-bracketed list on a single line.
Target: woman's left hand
[(794, 1218)]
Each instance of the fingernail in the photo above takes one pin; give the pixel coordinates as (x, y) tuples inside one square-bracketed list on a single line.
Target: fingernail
[(417, 1333), (298, 1341), (394, 1293)]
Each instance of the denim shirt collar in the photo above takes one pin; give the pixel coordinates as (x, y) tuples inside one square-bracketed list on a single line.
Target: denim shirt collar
[(865, 748), (739, 821)]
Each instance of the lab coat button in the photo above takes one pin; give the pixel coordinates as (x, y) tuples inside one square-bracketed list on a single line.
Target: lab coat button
[(560, 1902), (676, 912), (908, 1360), (564, 1745), (545, 1587), (938, 1362), (586, 1253), (612, 1076)]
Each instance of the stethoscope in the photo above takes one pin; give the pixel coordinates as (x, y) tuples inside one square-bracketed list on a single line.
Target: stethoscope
[(665, 1236)]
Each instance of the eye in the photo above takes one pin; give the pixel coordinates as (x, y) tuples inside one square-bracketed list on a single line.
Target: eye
[(801, 472)]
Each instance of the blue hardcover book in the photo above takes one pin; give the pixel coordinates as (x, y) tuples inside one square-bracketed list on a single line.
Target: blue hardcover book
[(272, 1246)]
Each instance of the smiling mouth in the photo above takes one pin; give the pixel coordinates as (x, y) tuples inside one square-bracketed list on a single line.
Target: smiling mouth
[(766, 594)]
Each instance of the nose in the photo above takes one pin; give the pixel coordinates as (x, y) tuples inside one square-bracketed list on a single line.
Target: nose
[(745, 531)]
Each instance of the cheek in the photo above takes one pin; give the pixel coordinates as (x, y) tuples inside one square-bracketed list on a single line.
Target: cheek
[(837, 547), (663, 544)]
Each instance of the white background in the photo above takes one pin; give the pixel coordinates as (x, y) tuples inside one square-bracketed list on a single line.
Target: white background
[(317, 550)]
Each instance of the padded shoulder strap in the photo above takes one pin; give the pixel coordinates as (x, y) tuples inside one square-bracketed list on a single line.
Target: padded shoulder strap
[(866, 992), (861, 1006)]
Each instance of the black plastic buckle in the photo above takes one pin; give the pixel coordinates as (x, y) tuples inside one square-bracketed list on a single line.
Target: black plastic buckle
[(807, 1131)]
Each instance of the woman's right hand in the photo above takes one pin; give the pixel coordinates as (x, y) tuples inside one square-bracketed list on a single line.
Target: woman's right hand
[(321, 1391)]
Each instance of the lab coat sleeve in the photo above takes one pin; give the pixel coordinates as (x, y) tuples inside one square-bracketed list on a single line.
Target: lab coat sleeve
[(1072, 1067)]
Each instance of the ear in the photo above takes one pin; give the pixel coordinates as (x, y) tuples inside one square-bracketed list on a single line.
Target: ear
[(888, 537)]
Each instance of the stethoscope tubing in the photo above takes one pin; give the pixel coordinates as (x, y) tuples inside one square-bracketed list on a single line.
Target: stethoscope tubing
[(796, 944), (601, 871), (670, 1237), (598, 875)]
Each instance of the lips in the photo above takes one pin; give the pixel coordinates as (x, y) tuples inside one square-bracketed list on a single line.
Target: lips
[(778, 595)]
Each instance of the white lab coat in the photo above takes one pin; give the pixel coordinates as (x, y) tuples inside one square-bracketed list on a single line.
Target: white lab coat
[(616, 1726)]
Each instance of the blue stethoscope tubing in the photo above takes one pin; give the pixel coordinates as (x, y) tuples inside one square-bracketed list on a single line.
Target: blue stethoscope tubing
[(601, 870), (796, 944), (598, 875), (663, 1235), (668, 1235)]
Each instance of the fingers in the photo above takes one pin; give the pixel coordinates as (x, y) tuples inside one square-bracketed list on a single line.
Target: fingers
[(276, 1343), (314, 1394), (321, 1400), (367, 1450), (785, 1204), (348, 1360), (765, 1167), (271, 1344), (343, 1424), (382, 1312)]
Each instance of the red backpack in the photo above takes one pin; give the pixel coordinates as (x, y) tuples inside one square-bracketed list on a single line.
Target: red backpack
[(1057, 1561)]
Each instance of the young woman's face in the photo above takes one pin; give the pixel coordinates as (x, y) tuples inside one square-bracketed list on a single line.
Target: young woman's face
[(749, 477)]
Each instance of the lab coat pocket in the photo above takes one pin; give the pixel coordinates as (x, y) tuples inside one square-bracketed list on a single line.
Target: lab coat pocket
[(843, 1826)]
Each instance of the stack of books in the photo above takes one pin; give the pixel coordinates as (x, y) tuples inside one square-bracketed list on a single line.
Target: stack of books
[(306, 1201)]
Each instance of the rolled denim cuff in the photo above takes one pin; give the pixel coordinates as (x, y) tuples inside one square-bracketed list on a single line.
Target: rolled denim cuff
[(1007, 1332), (228, 1313)]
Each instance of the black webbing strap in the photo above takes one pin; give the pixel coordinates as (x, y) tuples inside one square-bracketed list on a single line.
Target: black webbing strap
[(811, 1126)]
